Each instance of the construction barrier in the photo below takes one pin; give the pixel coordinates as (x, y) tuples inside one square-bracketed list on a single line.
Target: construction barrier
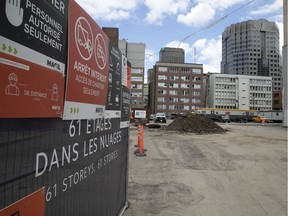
[(64, 117), (140, 151)]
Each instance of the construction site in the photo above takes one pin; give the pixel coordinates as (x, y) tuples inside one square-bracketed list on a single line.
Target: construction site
[(193, 166)]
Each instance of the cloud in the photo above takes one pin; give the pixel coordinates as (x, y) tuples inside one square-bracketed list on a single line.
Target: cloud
[(109, 10), (281, 34), (151, 56), (204, 51), (158, 10), (209, 53), (186, 46), (196, 16), (221, 4), (269, 8)]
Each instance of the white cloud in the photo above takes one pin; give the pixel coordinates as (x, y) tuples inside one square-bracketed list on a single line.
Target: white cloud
[(196, 16), (178, 44), (204, 51), (159, 9), (281, 34), (109, 10), (269, 8), (221, 4), (209, 53), (151, 56)]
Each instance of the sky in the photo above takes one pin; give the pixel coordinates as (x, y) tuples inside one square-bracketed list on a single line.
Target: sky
[(194, 25)]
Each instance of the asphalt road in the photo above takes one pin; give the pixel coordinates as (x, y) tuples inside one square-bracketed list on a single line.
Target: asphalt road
[(242, 172)]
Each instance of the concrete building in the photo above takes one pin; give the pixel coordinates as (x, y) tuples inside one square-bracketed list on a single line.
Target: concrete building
[(177, 87), (113, 34), (146, 95), (285, 63), (252, 48), (244, 92), (151, 89), (172, 55), (135, 53), (277, 100)]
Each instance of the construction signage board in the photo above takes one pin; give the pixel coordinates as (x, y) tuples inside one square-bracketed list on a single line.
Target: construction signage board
[(113, 103), (126, 96), (32, 57), (33, 204), (88, 65), (77, 163), (82, 164)]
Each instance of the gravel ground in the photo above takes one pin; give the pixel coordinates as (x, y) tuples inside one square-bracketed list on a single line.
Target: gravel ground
[(241, 172)]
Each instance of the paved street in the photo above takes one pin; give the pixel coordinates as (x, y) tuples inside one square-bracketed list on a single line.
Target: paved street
[(241, 172)]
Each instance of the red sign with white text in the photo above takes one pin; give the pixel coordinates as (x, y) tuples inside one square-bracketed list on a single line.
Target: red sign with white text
[(32, 205), (87, 77), (29, 90)]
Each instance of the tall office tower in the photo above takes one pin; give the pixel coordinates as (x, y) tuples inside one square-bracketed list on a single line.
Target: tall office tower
[(252, 48), (135, 53), (172, 55)]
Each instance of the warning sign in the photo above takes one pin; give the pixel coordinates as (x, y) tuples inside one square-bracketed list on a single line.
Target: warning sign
[(88, 66), (32, 205), (32, 58)]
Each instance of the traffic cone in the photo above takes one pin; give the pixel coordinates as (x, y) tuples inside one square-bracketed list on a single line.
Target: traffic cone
[(263, 122)]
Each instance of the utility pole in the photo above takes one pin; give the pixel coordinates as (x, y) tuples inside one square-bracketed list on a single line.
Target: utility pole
[(285, 61)]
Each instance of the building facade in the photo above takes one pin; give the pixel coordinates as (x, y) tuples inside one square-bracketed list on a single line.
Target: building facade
[(277, 100), (252, 48), (112, 34), (135, 53), (177, 87), (229, 91), (172, 55)]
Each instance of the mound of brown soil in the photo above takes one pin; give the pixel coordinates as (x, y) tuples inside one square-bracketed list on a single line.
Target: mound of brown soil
[(195, 124)]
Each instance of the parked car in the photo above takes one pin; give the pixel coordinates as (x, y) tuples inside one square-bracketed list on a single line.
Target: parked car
[(160, 117), (260, 119), (152, 116)]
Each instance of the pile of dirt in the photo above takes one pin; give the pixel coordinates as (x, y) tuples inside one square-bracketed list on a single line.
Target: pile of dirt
[(194, 123)]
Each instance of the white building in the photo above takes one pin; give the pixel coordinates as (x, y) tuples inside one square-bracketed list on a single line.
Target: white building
[(243, 92)]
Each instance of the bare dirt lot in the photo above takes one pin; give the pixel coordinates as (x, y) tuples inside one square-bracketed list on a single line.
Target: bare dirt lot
[(242, 172)]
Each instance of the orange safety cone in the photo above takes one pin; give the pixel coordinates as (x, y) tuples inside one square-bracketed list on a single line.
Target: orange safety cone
[(263, 122), (140, 151)]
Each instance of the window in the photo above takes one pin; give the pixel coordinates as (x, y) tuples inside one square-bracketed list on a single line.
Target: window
[(185, 70), (173, 92), (162, 84), (136, 86), (174, 69), (137, 70), (173, 85), (162, 92), (162, 77), (162, 69), (185, 92), (184, 100), (137, 79), (196, 71), (197, 93)]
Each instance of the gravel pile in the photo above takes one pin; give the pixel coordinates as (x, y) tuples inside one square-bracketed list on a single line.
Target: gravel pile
[(194, 123)]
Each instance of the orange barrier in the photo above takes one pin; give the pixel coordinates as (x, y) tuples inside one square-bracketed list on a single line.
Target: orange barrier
[(140, 150)]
